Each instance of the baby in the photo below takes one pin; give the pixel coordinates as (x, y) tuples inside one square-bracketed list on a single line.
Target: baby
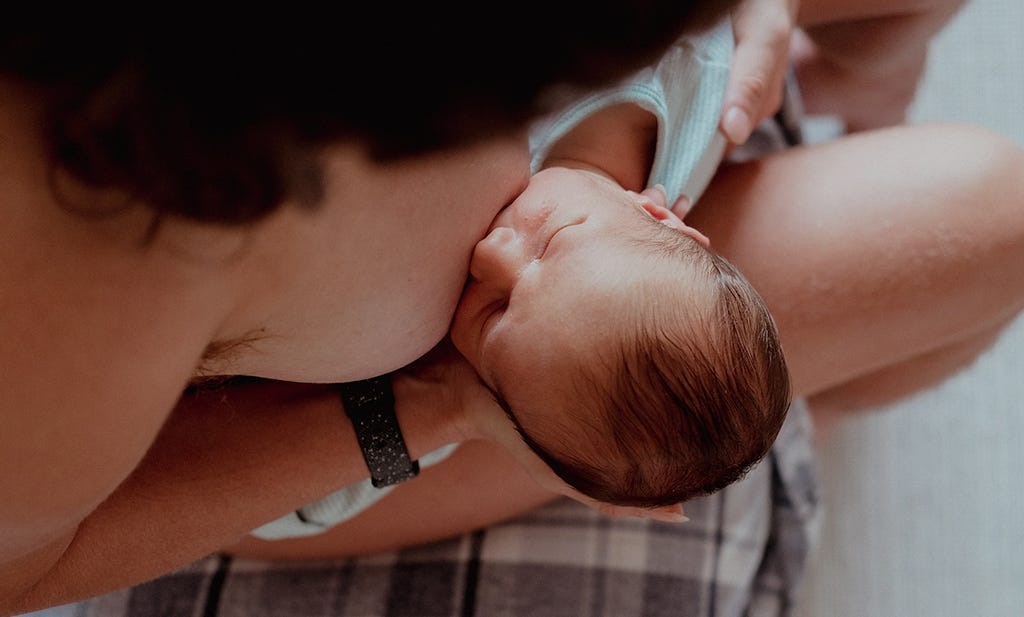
[(639, 365)]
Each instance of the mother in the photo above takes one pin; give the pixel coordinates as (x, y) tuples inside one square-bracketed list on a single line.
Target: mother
[(274, 203)]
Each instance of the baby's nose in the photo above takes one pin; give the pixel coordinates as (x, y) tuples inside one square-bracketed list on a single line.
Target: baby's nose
[(498, 259)]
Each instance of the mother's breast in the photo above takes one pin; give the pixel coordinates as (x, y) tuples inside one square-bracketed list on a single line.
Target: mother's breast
[(368, 281)]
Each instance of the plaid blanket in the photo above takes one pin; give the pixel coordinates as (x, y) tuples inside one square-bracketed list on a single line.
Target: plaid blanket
[(741, 555)]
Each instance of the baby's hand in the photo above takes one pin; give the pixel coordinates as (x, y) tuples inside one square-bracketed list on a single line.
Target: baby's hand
[(763, 29)]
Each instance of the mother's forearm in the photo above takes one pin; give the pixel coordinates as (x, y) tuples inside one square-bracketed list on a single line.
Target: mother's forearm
[(227, 461)]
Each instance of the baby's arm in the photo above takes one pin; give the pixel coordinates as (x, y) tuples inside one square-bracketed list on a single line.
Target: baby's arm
[(617, 141)]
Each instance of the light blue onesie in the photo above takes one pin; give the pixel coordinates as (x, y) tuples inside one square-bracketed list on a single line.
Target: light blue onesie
[(684, 91)]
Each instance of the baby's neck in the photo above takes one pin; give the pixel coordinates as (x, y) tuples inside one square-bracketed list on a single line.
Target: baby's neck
[(617, 142)]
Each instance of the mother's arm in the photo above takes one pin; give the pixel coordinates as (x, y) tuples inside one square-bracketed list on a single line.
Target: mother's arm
[(106, 477), (225, 462)]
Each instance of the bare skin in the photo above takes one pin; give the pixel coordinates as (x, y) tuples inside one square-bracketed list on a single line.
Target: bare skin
[(87, 290), (933, 265)]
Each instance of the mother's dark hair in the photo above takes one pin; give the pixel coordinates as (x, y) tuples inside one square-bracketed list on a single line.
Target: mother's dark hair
[(223, 121)]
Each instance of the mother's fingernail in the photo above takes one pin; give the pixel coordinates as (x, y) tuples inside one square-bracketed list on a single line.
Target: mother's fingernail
[(736, 125)]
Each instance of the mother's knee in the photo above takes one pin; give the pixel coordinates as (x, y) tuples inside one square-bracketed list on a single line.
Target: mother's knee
[(980, 171)]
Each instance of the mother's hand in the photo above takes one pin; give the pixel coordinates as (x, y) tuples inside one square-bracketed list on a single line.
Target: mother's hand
[(442, 387), (763, 29)]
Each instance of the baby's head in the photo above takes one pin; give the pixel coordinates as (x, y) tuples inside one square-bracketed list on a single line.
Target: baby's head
[(638, 365)]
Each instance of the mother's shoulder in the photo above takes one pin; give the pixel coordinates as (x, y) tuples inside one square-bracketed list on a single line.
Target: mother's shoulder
[(87, 295)]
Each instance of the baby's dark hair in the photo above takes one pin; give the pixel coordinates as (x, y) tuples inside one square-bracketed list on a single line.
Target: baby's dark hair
[(688, 403), (222, 122)]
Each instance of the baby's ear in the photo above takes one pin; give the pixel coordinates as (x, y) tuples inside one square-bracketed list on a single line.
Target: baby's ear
[(668, 514), (662, 214)]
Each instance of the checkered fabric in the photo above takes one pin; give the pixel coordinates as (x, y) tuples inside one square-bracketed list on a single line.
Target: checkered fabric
[(741, 555)]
